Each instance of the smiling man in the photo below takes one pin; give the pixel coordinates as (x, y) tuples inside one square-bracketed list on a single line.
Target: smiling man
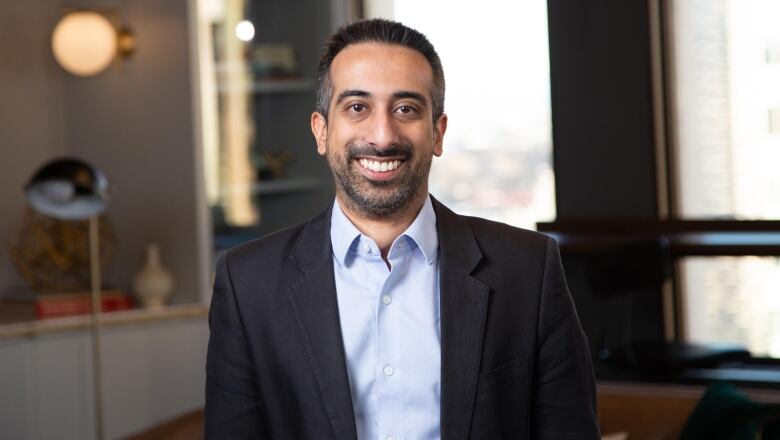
[(388, 316)]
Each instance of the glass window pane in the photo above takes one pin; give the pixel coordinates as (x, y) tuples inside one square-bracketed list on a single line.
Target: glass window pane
[(726, 84), (725, 73), (733, 299)]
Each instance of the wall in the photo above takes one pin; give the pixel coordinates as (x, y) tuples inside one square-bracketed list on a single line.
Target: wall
[(604, 146), (135, 122), (602, 107), (32, 115)]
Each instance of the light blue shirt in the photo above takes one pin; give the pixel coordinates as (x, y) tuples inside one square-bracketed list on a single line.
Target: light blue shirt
[(390, 326)]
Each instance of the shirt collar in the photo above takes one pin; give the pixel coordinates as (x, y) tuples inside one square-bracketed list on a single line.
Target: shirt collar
[(423, 231), (344, 234)]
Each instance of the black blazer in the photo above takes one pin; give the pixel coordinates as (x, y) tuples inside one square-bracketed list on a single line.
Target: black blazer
[(515, 363)]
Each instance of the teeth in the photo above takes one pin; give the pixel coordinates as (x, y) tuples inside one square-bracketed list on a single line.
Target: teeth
[(379, 167)]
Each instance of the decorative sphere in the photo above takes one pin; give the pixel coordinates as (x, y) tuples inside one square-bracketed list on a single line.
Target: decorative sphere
[(84, 43)]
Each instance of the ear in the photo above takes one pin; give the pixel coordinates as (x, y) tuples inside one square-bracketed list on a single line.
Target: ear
[(438, 134), (319, 127)]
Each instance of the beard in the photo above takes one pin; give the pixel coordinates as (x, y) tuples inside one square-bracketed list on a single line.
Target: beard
[(380, 198)]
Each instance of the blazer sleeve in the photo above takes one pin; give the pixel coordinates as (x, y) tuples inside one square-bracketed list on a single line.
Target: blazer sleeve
[(564, 386), (233, 402)]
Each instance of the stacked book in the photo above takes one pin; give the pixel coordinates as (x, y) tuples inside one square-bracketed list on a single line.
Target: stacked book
[(24, 306)]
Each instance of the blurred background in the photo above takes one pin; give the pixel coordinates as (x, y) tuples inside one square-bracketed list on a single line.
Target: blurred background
[(642, 135)]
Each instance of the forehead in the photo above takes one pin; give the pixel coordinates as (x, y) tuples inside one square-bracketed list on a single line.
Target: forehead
[(379, 68)]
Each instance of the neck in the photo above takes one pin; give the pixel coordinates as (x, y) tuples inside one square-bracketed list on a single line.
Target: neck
[(383, 230)]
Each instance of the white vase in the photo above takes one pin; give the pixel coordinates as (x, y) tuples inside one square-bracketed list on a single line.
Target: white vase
[(153, 284)]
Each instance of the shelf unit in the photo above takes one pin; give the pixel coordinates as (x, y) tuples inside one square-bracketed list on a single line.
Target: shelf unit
[(259, 113)]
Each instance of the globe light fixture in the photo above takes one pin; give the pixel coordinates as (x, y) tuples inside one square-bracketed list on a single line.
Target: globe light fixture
[(86, 42)]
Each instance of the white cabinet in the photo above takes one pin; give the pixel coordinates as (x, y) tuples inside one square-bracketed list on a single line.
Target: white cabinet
[(153, 369)]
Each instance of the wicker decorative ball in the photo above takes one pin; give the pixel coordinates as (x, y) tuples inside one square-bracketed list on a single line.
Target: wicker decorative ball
[(52, 255)]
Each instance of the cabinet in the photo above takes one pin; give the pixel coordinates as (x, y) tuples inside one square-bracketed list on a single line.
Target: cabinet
[(152, 372)]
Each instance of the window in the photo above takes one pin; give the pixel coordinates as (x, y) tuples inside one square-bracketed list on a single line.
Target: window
[(497, 160), (727, 92), (725, 72)]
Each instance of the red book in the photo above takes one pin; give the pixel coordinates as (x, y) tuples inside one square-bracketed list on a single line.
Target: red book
[(59, 305), (25, 305)]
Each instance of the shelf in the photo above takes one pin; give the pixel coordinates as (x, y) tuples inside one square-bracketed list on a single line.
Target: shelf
[(283, 86), (286, 186), (266, 86), (282, 186), (32, 329)]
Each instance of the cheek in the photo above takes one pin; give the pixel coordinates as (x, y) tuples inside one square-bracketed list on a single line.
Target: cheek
[(337, 157), (424, 143), (336, 142)]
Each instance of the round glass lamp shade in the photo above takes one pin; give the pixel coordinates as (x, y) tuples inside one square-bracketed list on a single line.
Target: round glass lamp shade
[(68, 189), (84, 43)]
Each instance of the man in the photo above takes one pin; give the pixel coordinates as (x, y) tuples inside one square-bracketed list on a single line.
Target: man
[(388, 316)]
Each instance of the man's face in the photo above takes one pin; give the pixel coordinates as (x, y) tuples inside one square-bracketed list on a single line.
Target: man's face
[(380, 137)]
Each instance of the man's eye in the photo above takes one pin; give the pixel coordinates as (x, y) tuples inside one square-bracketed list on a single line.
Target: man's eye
[(405, 109), (357, 108)]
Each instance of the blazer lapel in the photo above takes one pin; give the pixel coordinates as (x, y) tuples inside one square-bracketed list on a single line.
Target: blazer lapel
[(464, 301), (312, 295)]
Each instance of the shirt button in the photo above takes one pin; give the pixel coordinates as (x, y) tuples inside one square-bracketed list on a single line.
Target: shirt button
[(389, 371), (366, 248), (386, 300)]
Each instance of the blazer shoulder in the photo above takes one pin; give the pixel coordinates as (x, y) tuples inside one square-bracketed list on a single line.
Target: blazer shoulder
[(271, 247), (303, 243)]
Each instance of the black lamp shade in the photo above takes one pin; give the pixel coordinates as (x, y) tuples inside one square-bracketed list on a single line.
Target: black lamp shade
[(68, 189)]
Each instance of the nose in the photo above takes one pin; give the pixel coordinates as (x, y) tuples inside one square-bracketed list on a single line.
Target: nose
[(382, 130)]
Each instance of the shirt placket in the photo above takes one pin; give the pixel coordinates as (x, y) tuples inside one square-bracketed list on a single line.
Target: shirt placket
[(390, 371)]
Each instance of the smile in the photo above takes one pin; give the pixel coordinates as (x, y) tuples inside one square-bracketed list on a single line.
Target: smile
[(379, 166)]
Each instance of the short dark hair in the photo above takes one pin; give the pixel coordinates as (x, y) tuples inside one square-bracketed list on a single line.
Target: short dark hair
[(379, 31)]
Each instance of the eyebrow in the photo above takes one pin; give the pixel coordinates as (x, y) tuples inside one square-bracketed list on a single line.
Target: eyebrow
[(349, 93), (403, 94), (410, 95)]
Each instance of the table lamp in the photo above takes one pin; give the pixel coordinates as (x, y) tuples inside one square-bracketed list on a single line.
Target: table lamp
[(70, 189)]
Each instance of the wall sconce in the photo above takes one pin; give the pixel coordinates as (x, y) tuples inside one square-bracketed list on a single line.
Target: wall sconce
[(85, 42)]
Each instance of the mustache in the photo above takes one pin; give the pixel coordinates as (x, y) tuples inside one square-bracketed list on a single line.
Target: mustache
[(403, 150)]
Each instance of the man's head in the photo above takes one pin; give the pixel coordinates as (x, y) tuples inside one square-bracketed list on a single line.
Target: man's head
[(377, 31), (375, 118)]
